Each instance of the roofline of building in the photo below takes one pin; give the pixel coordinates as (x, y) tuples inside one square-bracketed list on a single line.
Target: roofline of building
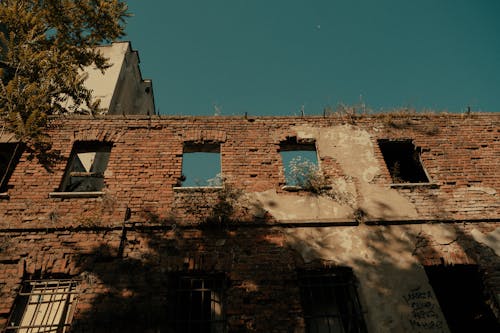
[(395, 115)]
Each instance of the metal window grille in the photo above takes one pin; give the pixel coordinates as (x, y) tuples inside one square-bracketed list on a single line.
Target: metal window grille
[(43, 306), (196, 305), (330, 301)]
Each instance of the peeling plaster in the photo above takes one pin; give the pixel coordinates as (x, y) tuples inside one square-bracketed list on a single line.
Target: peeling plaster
[(382, 260), (385, 203), (352, 148), (292, 207), (491, 239), (442, 234)]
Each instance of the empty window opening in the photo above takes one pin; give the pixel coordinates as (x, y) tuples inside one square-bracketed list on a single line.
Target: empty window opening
[(403, 161), (330, 301), (9, 157), (462, 298), (197, 304), (43, 306), (86, 166), (201, 165), (300, 162)]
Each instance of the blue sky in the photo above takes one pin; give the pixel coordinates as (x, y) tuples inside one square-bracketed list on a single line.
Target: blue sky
[(271, 57)]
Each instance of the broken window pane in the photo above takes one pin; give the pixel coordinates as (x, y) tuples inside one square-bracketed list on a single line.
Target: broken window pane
[(201, 165), (196, 304), (85, 171), (9, 157), (300, 162), (43, 306), (403, 161), (330, 301)]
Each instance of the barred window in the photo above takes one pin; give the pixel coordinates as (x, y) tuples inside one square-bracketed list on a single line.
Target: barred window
[(330, 301), (197, 304), (43, 306), (86, 166)]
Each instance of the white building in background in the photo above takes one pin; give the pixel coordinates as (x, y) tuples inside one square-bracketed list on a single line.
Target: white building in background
[(121, 89)]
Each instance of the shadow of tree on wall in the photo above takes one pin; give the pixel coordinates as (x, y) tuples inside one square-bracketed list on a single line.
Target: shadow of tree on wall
[(389, 260), (126, 278), (126, 287), (132, 294)]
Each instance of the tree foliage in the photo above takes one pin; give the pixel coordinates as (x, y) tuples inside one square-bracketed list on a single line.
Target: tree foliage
[(45, 44)]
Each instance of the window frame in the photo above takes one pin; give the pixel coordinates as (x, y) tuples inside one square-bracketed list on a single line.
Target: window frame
[(85, 147), (470, 310), (178, 305), (337, 288), (193, 147), (61, 318), (418, 163), (292, 144)]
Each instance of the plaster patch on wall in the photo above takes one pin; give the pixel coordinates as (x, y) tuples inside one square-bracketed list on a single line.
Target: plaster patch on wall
[(381, 258), (327, 243), (354, 246), (382, 203), (440, 233), (491, 239), (292, 207), (353, 149)]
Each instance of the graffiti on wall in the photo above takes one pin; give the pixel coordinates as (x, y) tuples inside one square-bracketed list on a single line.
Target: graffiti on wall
[(425, 313)]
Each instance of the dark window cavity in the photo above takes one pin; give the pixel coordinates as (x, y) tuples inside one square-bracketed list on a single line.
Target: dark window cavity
[(462, 297), (86, 166), (403, 161), (201, 165), (330, 301), (197, 303), (43, 306), (300, 161), (9, 157)]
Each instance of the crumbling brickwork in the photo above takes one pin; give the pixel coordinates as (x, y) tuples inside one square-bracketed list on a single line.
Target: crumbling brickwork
[(125, 243)]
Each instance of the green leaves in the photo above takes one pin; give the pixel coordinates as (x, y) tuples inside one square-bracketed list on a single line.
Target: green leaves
[(44, 46)]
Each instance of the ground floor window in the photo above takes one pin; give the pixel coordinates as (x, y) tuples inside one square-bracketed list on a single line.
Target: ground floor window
[(330, 301), (197, 303), (43, 306), (462, 298)]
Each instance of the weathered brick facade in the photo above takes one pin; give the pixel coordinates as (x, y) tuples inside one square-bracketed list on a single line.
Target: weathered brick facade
[(123, 245)]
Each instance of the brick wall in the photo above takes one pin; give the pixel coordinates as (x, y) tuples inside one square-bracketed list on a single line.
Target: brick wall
[(124, 262), (459, 153)]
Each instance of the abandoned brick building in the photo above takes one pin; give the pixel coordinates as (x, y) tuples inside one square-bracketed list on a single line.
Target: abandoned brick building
[(391, 226)]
